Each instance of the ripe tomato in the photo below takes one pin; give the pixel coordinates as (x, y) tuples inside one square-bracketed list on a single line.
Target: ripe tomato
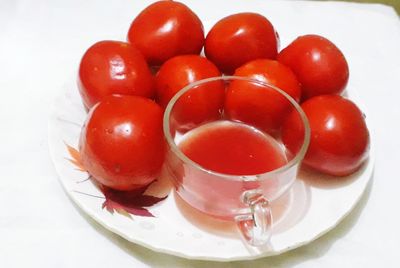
[(239, 38), (113, 67), (318, 64), (339, 140), (166, 29), (259, 106), (122, 144), (195, 107), (274, 73)]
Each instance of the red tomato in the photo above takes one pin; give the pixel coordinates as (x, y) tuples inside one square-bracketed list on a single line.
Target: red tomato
[(259, 106), (274, 73), (112, 67), (122, 143), (166, 29), (195, 107), (318, 64), (339, 141), (239, 38)]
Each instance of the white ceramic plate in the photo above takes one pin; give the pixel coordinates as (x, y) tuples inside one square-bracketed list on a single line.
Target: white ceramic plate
[(314, 205)]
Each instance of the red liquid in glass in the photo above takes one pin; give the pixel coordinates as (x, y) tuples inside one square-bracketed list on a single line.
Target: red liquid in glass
[(232, 148)]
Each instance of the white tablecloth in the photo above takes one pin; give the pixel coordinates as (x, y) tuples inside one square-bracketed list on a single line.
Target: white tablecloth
[(41, 43)]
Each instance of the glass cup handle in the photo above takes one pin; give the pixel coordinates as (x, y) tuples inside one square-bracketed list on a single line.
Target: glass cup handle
[(256, 225)]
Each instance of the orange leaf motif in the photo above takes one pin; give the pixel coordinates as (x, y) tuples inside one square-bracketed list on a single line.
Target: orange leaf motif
[(75, 157), (129, 203)]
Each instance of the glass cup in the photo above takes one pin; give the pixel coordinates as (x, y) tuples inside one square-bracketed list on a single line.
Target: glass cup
[(244, 198)]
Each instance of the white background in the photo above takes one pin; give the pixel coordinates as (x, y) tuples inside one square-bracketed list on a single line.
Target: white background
[(41, 43)]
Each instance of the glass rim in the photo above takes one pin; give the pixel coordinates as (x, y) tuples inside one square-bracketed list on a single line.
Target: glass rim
[(255, 177)]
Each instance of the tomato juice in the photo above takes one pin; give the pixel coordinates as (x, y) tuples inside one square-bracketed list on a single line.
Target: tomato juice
[(232, 148), (228, 148)]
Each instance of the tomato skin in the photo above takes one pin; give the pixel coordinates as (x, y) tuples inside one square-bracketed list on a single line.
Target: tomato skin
[(180, 71), (318, 64), (113, 67), (195, 107), (166, 29), (122, 144), (239, 38), (260, 106), (274, 73), (339, 141)]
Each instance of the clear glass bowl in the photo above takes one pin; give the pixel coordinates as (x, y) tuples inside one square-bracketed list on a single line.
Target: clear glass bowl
[(242, 198)]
